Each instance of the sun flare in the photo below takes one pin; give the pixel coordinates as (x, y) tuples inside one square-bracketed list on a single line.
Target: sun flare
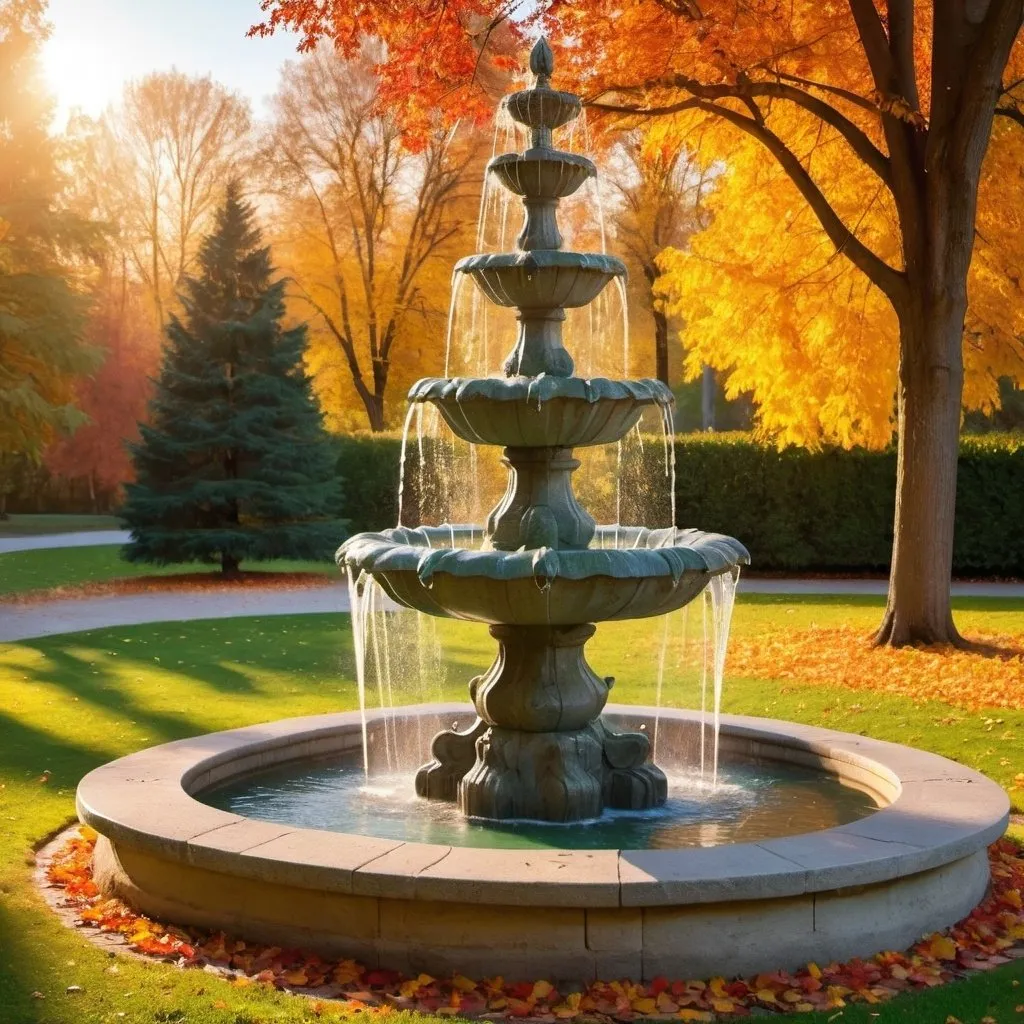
[(82, 73)]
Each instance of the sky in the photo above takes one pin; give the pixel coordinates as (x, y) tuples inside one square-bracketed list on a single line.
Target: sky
[(98, 45)]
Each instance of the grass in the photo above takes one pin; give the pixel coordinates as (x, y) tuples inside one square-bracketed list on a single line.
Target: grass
[(24, 571), (35, 525), (69, 703)]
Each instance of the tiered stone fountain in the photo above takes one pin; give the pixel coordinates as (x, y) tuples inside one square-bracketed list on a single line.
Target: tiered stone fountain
[(694, 895), (539, 749)]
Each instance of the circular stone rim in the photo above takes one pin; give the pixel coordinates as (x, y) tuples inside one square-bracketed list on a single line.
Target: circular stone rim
[(535, 259), (940, 813), (408, 549), (540, 389)]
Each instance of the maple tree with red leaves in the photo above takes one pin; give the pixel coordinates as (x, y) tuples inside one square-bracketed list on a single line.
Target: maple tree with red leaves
[(114, 397), (907, 90)]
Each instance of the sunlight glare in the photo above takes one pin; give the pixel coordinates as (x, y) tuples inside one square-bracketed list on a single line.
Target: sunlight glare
[(81, 73)]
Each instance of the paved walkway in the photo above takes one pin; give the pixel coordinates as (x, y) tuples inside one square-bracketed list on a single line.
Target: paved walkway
[(25, 621), (84, 539), (873, 587)]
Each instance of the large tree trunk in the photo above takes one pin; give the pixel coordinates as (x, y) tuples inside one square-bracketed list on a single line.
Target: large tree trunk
[(708, 384), (660, 345), (374, 411), (930, 396)]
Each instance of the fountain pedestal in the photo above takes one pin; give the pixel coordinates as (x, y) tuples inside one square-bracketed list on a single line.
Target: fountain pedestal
[(539, 750)]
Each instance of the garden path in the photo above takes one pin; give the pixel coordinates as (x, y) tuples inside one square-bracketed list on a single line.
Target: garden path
[(24, 621), (83, 539)]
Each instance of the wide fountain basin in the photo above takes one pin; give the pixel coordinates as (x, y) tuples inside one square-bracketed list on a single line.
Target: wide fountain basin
[(545, 411), (917, 865), (542, 173), (543, 279), (627, 573)]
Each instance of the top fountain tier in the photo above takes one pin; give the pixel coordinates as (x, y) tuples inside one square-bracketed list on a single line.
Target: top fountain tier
[(539, 280)]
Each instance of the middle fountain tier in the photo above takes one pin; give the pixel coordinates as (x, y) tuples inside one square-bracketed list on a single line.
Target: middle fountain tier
[(545, 572)]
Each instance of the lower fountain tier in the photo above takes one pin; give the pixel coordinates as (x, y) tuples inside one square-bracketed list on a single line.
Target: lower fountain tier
[(626, 573), (539, 749), (534, 412)]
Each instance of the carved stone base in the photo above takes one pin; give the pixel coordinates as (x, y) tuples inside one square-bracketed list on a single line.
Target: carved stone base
[(539, 750), (453, 754), (544, 776)]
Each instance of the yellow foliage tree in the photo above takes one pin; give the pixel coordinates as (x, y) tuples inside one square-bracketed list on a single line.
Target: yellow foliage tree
[(367, 227), (769, 302)]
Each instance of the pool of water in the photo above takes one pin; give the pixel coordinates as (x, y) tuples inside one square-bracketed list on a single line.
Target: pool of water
[(751, 802)]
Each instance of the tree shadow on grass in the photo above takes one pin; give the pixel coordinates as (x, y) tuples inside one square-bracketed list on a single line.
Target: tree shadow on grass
[(20, 975), (29, 751), (76, 677)]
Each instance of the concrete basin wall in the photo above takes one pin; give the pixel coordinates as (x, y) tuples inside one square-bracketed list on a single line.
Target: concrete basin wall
[(915, 866)]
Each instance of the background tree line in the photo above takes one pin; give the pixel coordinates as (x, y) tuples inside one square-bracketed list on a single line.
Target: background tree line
[(364, 217)]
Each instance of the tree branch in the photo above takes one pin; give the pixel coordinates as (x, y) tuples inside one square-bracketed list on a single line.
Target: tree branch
[(745, 90), (892, 282)]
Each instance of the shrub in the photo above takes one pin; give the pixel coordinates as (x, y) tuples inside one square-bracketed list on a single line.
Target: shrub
[(797, 511)]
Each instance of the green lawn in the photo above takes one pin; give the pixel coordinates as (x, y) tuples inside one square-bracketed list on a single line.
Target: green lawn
[(71, 702), (34, 525), (24, 571)]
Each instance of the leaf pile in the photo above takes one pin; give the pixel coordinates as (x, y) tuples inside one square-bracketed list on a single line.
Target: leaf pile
[(991, 676), (980, 942)]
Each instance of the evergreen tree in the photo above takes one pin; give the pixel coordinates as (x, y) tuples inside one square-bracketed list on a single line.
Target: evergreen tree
[(234, 463)]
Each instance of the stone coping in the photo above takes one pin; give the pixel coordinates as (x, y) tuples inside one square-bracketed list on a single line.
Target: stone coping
[(938, 812)]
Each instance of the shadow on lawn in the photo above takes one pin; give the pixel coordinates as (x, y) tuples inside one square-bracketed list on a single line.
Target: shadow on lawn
[(21, 974), (26, 751)]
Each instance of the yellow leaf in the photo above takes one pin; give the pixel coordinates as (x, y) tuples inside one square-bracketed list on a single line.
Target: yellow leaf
[(723, 1005), (644, 1005), (688, 1014), (804, 1007), (460, 981), (717, 986), (766, 995), (541, 990), (942, 947), (813, 970)]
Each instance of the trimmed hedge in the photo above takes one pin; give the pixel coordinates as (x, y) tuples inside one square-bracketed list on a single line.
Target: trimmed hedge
[(797, 511)]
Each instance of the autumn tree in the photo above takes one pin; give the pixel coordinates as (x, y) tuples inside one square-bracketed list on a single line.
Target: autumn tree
[(234, 463), (661, 192), (367, 221), (42, 247), (156, 164), (114, 397), (907, 91)]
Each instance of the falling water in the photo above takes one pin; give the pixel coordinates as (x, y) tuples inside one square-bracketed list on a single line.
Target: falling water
[(722, 590), (357, 606), (399, 661), (410, 412)]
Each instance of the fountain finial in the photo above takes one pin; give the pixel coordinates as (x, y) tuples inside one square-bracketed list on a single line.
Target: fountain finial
[(542, 61)]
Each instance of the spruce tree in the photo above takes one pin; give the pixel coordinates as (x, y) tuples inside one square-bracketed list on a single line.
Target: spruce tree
[(234, 463)]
